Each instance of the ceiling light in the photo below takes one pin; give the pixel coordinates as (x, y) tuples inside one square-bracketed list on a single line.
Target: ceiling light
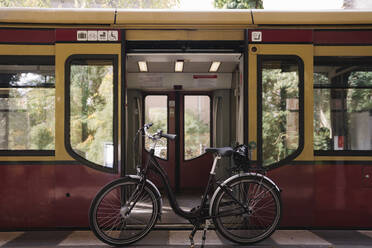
[(142, 66), (178, 66), (214, 66)]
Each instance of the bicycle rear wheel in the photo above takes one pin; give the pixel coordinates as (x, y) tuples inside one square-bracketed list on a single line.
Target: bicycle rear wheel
[(249, 212), (110, 217)]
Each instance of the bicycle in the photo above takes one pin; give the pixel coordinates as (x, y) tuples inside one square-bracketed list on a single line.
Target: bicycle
[(245, 208)]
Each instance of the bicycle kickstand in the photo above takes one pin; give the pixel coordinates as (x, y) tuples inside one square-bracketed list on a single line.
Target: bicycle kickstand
[(206, 225), (192, 234)]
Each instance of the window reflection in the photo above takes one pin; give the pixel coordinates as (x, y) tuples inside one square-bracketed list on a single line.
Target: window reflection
[(196, 125), (157, 114), (91, 111), (342, 104), (27, 108), (280, 109)]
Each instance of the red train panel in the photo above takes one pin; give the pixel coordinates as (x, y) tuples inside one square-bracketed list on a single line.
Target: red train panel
[(47, 195), (324, 196)]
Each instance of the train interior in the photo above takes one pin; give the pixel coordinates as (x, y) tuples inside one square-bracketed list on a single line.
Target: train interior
[(199, 97)]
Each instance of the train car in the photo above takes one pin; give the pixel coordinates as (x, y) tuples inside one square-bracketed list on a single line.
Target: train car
[(76, 85)]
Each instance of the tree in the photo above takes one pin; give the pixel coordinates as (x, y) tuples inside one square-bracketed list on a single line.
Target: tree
[(25, 3), (279, 122), (238, 4), (357, 4), (91, 110), (137, 4)]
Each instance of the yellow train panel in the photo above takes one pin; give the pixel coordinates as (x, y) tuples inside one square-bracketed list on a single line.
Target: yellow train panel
[(58, 16), (334, 17)]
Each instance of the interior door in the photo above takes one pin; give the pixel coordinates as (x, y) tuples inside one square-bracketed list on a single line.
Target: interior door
[(189, 116), (195, 135)]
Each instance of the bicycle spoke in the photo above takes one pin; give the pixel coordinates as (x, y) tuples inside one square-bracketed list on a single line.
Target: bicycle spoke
[(258, 217), (139, 217)]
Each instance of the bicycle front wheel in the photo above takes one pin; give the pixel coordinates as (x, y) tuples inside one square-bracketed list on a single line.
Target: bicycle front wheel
[(119, 217), (248, 211)]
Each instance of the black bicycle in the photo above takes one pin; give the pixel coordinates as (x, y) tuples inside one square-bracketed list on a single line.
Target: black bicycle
[(245, 208)]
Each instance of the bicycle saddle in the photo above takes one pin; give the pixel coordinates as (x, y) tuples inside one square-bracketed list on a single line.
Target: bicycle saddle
[(223, 151)]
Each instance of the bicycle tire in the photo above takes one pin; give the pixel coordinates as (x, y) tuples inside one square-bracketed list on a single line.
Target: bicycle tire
[(263, 203), (108, 224)]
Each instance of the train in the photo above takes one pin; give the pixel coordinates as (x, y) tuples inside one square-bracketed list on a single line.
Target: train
[(76, 84)]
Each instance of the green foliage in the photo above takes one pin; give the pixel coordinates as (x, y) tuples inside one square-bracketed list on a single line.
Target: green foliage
[(322, 138), (158, 117), (278, 138), (359, 100), (26, 3), (143, 4), (197, 132), (31, 121), (322, 113), (238, 4), (137, 4), (91, 104), (42, 137), (355, 100)]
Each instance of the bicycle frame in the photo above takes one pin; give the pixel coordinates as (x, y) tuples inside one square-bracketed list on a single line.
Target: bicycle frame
[(154, 165)]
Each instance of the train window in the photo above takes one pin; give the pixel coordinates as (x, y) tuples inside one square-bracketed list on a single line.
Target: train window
[(280, 103), (91, 112), (27, 108), (156, 112), (342, 105)]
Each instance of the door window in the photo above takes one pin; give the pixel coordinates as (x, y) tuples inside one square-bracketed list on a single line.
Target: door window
[(197, 126), (281, 103), (91, 99), (157, 114)]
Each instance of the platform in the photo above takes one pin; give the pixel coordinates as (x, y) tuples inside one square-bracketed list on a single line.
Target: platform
[(178, 238)]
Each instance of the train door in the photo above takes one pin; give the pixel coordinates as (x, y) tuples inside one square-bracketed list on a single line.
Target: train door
[(199, 105), (281, 114), (189, 116), (87, 121)]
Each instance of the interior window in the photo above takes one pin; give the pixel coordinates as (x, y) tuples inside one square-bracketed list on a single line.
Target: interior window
[(156, 112), (197, 127), (27, 104), (280, 108), (342, 104), (91, 100)]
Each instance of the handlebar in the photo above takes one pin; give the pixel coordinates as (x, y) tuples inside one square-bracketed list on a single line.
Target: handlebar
[(159, 134)]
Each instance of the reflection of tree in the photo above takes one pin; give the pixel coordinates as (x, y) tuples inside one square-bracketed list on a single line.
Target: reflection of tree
[(360, 100), (31, 113), (158, 117), (41, 118), (197, 134), (322, 113), (91, 110), (353, 100), (279, 139)]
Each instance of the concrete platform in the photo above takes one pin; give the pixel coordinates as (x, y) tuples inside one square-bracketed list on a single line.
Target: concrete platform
[(170, 238)]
